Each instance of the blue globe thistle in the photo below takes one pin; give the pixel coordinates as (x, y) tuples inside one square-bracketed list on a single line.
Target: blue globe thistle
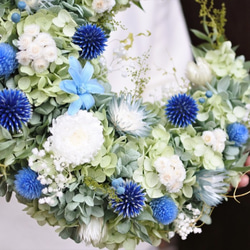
[(210, 186), (131, 202), (91, 39), (164, 209), (181, 110), (238, 133), (15, 109), (8, 61), (27, 184)]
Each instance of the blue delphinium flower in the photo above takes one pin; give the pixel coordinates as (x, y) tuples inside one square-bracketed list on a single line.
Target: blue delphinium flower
[(81, 85), (238, 133), (211, 186), (27, 184), (164, 210), (15, 109), (129, 116), (91, 39), (181, 110), (8, 61), (131, 202)]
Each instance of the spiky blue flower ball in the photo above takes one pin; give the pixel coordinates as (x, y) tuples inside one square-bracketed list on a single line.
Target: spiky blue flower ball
[(15, 109), (131, 202), (27, 184), (181, 110), (211, 187), (8, 61), (238, 133), (164, 210), (91, 39)]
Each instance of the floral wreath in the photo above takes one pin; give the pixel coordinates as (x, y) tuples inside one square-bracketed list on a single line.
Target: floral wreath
[(106, 168)]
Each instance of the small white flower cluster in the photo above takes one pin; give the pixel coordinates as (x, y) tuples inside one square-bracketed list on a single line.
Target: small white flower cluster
[(185, 224), (175, 87), (100, 6), (50, 174), (171, 172), (216, 139), (36, 48)]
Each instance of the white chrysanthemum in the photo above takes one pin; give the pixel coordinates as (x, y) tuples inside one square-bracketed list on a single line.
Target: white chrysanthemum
[(32, 30), (45, 39), (208, 137), (220, 135), (171, 172), (93, 232), (199, 73), (40, 65), (24, 41), (23, 58), (50, 53), (100, 6), (76, 138), (35, 50)]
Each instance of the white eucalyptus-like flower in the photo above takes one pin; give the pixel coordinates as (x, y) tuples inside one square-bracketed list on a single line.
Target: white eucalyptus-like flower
[(31, 30), (45, 39), (40, 65), (50, 53), (100, 6), (35, 50), (94, 232), (199, 73), (77, 138), (24, 41), (23, 58), (171, 172)]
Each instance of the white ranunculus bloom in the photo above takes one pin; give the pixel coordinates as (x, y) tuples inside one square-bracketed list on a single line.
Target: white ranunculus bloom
[(199, 73), (35, 50), (100, 6), (50, 53), (76, 138), (171, 172), (23, 58), (93, 232), (208, 137), (45, 39)]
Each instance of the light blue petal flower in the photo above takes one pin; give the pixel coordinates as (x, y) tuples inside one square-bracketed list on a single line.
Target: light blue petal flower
[(68, 86), (88, 101), (87, 72), (94, 87), (75, 106), (75, 70)]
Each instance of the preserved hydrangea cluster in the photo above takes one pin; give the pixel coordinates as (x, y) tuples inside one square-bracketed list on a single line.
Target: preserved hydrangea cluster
[(37, 49), (171, 172)]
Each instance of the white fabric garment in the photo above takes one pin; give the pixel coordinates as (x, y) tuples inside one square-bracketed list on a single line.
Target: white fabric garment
[(169, 42), (169, 39)]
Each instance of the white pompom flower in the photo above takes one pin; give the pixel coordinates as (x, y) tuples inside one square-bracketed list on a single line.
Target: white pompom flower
[(50, 53), (40, 65), (77, 138), (24, 41), (172, 172)]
